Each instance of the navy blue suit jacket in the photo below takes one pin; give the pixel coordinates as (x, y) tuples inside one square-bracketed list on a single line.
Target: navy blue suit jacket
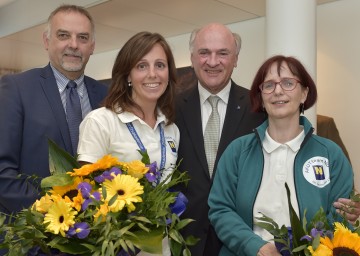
[(31, 112), (239, 120)]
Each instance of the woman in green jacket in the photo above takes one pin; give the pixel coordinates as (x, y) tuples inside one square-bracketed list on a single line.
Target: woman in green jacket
[(252, 172)]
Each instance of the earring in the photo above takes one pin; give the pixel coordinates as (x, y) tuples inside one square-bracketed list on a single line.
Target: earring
[(302, 108), (129, 83)]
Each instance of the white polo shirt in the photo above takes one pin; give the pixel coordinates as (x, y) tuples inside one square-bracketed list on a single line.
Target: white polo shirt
[(271, 199), (104, 132)]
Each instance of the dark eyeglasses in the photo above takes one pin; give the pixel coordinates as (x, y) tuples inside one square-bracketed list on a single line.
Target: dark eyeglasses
[(286, 83)]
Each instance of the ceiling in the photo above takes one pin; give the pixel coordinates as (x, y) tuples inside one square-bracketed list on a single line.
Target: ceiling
[(115, 21)]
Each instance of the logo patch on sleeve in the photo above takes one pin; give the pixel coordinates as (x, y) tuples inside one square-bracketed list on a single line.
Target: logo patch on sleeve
[(172, 145), (316, 171)]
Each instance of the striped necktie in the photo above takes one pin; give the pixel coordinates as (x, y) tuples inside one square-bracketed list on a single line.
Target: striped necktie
[(73, 113)]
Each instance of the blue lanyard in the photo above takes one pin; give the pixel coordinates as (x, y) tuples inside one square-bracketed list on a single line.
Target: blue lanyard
[(136, 137)]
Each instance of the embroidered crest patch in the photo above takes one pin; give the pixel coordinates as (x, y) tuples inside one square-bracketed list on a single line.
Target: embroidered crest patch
[(172, 145), (316, 171)]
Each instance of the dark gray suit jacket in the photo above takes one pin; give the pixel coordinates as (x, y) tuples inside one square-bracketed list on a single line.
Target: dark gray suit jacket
[(239, 120), (30, 112)]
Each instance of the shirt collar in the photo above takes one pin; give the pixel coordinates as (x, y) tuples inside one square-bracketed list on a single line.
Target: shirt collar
[(271, 145), (128, 117), (223, 94), (62, 81)]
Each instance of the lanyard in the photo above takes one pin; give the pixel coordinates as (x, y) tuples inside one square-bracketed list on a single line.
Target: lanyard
[(136, 137)]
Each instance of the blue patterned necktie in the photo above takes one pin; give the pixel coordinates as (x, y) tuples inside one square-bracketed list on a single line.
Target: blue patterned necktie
[(211, 134), (73, 113)]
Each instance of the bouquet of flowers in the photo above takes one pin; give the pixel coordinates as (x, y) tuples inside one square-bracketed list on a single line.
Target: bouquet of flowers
[(106, 208), (318, 237)]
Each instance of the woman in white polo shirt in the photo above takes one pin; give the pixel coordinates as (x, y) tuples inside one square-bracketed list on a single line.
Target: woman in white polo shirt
[(138, 112)]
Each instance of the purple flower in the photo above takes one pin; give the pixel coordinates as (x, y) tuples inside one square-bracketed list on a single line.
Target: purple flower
[(319, 225), (85, 189), (95, 196), (107, 175), (281, 247), (115, 170), (307, 238), (329, 234), (152, 174), (314, 232), (179, 206), (81, 230)]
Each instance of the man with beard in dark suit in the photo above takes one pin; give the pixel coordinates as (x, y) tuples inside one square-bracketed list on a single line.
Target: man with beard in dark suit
[(33, 106)]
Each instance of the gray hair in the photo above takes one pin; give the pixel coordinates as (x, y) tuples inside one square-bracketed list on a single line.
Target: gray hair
[(194, 33), (70, 8)]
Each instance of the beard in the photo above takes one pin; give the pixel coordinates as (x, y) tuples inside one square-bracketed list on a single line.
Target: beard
[(72, 65)]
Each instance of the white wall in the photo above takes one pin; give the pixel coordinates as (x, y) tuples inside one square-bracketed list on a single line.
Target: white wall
[(338, 67), (338, 62)]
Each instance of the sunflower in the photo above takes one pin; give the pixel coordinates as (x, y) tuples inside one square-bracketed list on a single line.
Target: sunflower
[(60, 217), (68, 190), (77, 202), (344, 243), (126, 188), (104, 163)]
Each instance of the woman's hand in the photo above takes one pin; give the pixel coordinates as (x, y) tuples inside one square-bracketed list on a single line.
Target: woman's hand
[(268, 250), (349, 209)]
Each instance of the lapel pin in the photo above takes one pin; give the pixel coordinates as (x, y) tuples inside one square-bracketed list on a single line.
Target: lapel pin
[(238, 107)]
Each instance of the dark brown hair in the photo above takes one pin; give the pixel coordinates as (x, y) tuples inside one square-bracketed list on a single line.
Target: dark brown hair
[(296, 68), (129, 55)]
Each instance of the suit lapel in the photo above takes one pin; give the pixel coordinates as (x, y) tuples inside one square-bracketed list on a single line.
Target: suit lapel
[(234, 113), (191, 112), (91, 90), (51, 91)]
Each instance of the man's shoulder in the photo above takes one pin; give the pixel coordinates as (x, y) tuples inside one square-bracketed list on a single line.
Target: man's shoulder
[(239, 88), (31, 73), (91, 81), (187, 95), (95, 86), (24, 80)]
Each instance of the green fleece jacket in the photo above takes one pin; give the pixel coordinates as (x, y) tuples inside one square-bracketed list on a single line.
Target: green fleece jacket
[(239, 175)]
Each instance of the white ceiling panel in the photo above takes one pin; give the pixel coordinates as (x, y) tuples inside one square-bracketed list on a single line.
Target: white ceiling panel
[(116, 21)]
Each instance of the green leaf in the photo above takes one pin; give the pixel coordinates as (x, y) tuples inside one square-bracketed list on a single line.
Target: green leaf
[(186, 252), (68, 246), (181, 224), (145, 157), (60, 161), (150, 242), (296, 226), (61, 179), (191, 240), (175, 248), (300, 248), (176, 236)]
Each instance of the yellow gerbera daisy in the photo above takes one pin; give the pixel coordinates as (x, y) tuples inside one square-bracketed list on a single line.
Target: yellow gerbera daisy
[(43, 204), (344, 243), (104, 163), (60, 217), (127, 189), (136, 168)]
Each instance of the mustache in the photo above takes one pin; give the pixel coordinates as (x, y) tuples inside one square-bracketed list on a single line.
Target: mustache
[(73, 53)]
